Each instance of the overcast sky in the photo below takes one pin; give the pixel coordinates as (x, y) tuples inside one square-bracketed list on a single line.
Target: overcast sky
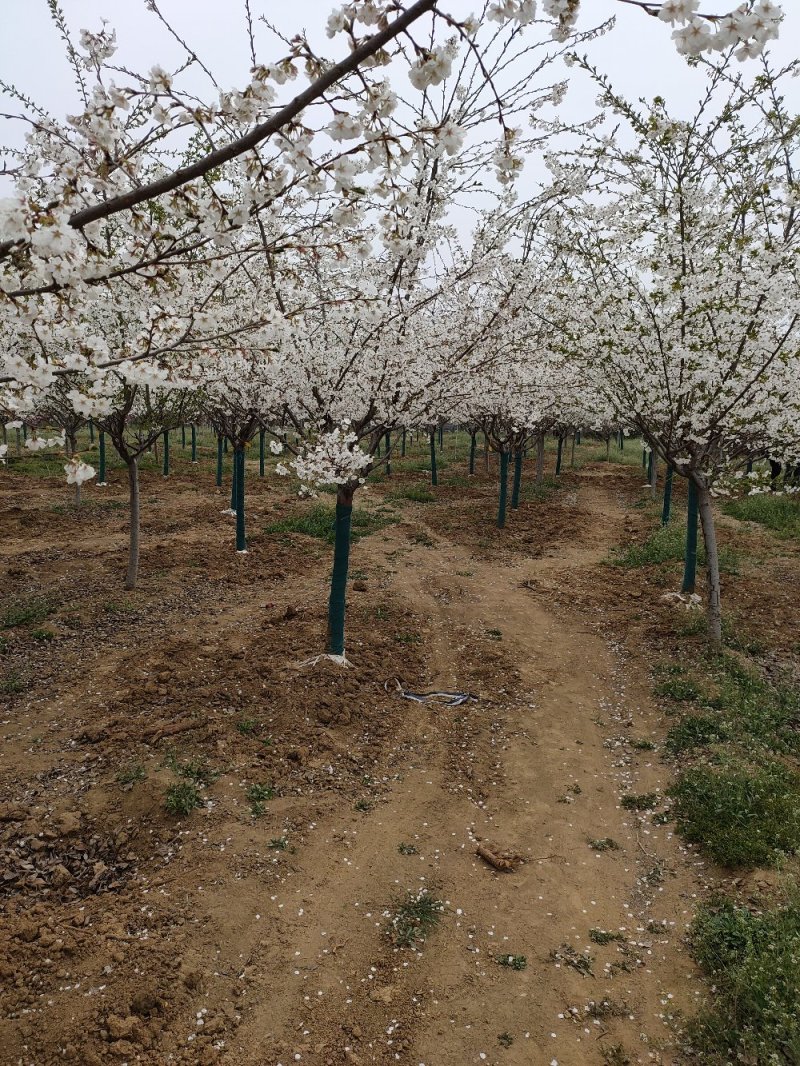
[(638, 54)]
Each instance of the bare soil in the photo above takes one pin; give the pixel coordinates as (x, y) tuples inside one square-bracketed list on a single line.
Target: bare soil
[(130, 935)]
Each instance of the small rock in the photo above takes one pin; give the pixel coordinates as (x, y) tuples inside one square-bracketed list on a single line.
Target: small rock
[(61, 876)]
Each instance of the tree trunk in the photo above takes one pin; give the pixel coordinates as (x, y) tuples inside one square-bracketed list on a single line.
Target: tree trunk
[(388, 454), (714, 606), (653, 474), (72, 444), (241, 540), (341, 562), (540, 459), (472, 438), (559, 454), (101, 480), (434, 474), (165, 468), (572, 456), (262, 433), (517, 479), (403, 446), (133, 550), (690, 553), (666, 510), (501, 507), (183, 436), (219, 462), (194, 443)]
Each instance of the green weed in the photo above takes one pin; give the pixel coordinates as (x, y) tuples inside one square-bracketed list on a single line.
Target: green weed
[(182, 799), (319, 522), (644, 801), (131, 774), (513, 962), (29, 613), (258, 796), (604, 844), (603, 936), (413, 917)]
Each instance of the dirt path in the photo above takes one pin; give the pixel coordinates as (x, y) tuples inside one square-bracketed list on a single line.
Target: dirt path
[(257, 955), (537, 767)]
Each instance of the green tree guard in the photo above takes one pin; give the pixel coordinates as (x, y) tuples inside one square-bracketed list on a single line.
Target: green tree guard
[(388, 455), (441, 437), (262, 435), (649, 466), (194, 443), (434, 475), (341, 561), (666, 510), (472, 441), (238, 466), (225, 445), (644, 458), (165, 468), (183, 437), (690, 555), (101, 478), (91, 431), (559, 454), (403, 446), (749, 466), (517, 479), (378, 449), (578, 437), (219, 461), (234, 475), (621, 441), (19, 444), (501, 507)]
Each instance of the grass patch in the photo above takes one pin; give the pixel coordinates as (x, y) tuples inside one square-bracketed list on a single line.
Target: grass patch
[(666, 545), (30, 613), (644, 801), (740, 817), (415, 493), (780, 514), (695, 731), (319, 522), (413, 917), (13, 683), (680, 689), (750, 712), (753, 961)]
